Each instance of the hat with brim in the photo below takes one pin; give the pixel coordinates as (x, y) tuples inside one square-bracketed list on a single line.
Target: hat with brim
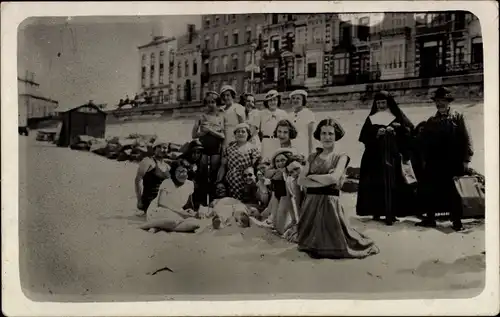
[(282, 151), (271, 94), (212, 92), (227, 88), (442, 93), (300, 92), (242, 125)]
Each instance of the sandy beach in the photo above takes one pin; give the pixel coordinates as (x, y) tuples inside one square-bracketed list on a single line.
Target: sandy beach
[(79, 239)]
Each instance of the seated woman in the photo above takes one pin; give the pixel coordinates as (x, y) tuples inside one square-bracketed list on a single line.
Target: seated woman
[(152, 171), (294, 167), (279, 206), (166, 212)]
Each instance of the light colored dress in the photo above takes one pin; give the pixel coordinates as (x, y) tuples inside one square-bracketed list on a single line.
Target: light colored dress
[(175, 199), (323, 230), (266, 125), (231, 121), (301, 121), (253, 120), (281, 209)]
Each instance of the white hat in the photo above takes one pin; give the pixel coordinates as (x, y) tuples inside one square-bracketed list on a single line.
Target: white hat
[(226, 88), (299, 92), (271, 94), (212, 92)]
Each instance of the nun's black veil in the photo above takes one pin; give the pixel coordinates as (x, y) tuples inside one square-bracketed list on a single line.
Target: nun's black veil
[(401, 118)]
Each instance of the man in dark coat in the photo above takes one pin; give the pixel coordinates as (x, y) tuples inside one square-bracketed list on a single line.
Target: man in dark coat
[(447, 151)]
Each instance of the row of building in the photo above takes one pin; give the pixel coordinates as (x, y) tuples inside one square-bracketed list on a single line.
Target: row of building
[(31, 102), (256, 52)]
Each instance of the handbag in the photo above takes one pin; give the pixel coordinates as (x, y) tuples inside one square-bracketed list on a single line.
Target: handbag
[(408, 172), (471, 192)]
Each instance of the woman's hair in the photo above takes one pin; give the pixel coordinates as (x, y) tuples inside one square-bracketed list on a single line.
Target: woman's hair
[(292, 131), (249, 133), (279, 102), (392, 105), (243, 100), (176, 165), (296, 158), (329, 122), (217, 100), (286, 154)]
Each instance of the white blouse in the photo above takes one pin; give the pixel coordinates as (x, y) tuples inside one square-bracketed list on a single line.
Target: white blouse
[(231, 120), (268, 120), (172, 199)]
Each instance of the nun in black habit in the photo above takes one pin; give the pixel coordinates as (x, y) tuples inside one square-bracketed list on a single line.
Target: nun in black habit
[(387, 136)]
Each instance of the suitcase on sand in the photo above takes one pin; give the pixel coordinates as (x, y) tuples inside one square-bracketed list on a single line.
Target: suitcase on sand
[(471, 191)]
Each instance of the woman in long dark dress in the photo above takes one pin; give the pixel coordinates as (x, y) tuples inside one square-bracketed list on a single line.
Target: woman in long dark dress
[(323, 230), (383, 191)]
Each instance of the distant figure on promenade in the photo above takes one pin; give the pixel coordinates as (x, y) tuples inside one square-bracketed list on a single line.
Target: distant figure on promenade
[(209, 130), (267, 121), (152, 171), (323, 230), (387, 136), (303, 119), (447, 152), (167, 211), (234, 113), (237, 157)]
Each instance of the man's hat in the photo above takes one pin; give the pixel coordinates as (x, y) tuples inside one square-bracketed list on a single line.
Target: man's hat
[(443, 93)]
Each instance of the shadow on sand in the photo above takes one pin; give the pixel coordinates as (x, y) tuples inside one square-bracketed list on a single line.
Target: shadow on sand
[(437, 268)]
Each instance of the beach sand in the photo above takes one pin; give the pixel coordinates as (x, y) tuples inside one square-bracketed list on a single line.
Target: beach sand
[(79, 239)]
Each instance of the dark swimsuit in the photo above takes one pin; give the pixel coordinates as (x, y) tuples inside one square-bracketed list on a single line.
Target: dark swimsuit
[(150, 183)]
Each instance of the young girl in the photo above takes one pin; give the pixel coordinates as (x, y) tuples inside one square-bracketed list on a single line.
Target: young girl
[(285, 132), (294, 167), (280, 205), (209, 130), (233, 113), (255, 192), (323, 230)]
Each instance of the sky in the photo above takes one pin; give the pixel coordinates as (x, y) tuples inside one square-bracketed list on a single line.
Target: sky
[(98, 59)]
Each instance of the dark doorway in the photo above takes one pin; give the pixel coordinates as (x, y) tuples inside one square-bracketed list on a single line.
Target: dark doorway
[(429, 61), (187, 90)]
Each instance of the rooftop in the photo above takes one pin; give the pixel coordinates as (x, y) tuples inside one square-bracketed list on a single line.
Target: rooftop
[(157, 40)]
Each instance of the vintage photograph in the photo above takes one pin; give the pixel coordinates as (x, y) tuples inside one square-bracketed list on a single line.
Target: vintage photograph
[(276, 155)]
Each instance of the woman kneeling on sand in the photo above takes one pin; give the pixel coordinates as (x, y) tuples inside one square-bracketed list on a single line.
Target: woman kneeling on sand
[(166, 212), (323, 230)]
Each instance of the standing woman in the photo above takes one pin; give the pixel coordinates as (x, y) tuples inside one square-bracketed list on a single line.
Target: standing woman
[(234, 113), (152, 171), (252, 118), (304, 120), (237, 157), (386, 135), (268, 119), (323, 230)]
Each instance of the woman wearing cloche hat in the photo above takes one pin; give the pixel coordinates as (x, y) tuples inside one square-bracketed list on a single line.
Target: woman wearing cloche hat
[(234, 113), (267, 121)]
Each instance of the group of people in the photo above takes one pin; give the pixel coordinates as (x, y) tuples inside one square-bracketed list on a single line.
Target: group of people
[(279, 170)]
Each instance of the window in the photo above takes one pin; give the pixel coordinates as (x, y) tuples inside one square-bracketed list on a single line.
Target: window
[(345, 33), (160, 96), (152, 70), (233, 17), (193, 90), (207, 42), (301, 36), (477, 50), (179, 95), (207, 22), (215, 65), (274, 18), (143, 76), (226, 18), (226, 39), (153, 59), (216, 40), (289, 17), (270, 74), (143, 59), (248, 58), (341, 64), (234, 83), (459, 21), (179, 70), (364, 29), (225, 66), (235, 62), (195, 67), (248, 35), (311, 70), (217, 20), (275, 44), (317, 35), (258, 29), (236, 36), (186, 68), (162, 67)]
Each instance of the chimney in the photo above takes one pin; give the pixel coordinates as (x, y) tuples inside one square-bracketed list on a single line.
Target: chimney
[(190, 31)]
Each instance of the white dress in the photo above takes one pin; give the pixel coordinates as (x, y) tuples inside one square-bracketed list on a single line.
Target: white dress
[(267, 124), (253, 120), (231, 121), (301, 121), (173, 198)]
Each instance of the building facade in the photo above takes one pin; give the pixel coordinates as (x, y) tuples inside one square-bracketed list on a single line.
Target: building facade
[(31, 103), (188, 68), (157, 79), (228, 44)]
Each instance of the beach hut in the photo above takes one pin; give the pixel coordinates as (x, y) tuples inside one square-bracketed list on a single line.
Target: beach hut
[(87, 119)]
